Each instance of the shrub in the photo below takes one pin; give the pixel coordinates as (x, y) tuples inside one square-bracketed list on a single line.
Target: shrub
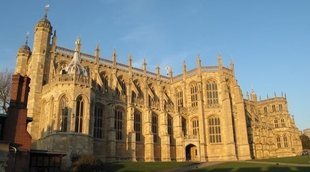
[(89, 163)]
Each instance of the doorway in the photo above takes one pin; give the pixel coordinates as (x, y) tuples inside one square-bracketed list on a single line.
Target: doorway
[(191, 152)]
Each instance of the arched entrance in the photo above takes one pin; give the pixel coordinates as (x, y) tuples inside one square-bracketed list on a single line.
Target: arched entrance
[(191, 152)]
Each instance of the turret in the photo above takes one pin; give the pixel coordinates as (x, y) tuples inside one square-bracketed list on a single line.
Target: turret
[(40, 61), (22, 58)]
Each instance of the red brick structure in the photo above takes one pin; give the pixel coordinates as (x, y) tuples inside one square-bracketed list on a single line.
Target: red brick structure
[(15, 128)]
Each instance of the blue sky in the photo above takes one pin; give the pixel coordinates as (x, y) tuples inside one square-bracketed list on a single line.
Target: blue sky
[(267, 40)]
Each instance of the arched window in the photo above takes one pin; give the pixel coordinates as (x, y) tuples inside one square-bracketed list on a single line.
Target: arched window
[(212, 94), (276, 124), (79, 114), (194, 95), (155, 127), (280, 107), (137, 125), (170, 128), (285, 141), (180, 98), (215, 130), (282, 123), (64, 114), (118, 124), (278, 142), (273, 108), (265, 110), (195, 126), (98, 124)]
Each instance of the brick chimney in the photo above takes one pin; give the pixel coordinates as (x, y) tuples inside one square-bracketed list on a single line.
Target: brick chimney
[(15, 128)]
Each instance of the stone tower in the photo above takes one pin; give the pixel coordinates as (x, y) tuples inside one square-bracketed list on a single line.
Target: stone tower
[(38, 71), (23, 55)]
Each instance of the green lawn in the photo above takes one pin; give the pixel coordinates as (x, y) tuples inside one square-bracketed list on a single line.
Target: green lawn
[(143, 166), (250, 167), (296, 160), (225, 167)]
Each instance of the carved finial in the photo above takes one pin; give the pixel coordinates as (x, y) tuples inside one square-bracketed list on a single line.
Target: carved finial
[(144, 65), (157, 69), (46, 10), (267, 96), (97, 53), (198, 61), (184, 66), (253, 95), (130, 60), (220, 60), (78, 44), (114, 56), (275, 94), (260, 98), (232, 65)]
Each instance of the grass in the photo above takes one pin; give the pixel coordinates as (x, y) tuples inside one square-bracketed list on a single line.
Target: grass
[(143, 166), (225, 167), (250, 167), (295, 160)]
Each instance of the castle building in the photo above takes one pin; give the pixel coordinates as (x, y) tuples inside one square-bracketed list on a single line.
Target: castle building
[(84, 104)]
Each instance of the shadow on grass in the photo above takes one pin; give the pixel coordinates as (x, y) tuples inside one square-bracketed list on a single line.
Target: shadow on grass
[(113, 166), (256, 169)]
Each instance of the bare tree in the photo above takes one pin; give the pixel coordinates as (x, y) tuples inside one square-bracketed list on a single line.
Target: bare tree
[(5, 86)]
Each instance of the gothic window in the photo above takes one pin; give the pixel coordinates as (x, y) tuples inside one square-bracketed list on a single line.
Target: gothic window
[(79, 114), (282, 123), (273, 108), (155, 127), (212, 93), (195, 126), (184, 128), (180, 98), (170, 128), (98, 125), (285, 141), (137, 125), (280, 107), (215, 130), (118, 124), (276, 124), (278, 142), (64, 114), (194, 95), (265, 110)]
